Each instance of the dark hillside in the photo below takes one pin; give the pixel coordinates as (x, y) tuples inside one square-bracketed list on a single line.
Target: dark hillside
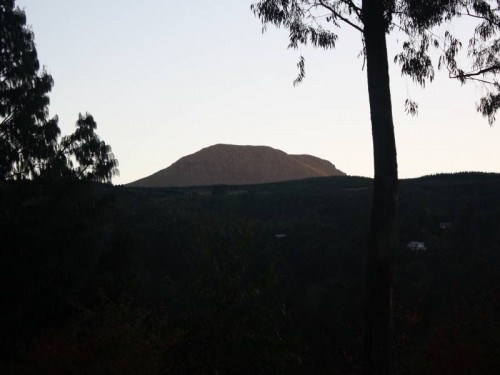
[(204, 279)]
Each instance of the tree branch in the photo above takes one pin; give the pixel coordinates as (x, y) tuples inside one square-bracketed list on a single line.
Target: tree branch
[(337, 15), (6, 119), (482, 17), (468, 14), (353, 7), (479, 72)]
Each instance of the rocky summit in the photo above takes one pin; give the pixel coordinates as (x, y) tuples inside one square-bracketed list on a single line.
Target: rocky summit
[(238, 165)]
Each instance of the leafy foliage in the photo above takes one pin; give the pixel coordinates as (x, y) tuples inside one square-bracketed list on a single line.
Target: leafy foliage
[(27, 135), (83, 155), (424, 25)]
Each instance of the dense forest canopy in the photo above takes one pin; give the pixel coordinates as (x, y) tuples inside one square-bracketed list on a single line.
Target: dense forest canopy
[(245, 279)]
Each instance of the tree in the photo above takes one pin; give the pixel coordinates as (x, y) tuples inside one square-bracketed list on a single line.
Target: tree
[(29, 145), (420, 22), (83, 155), (27, 135)]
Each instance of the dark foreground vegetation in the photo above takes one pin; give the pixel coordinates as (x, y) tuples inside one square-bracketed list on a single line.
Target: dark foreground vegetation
[(262, 279)]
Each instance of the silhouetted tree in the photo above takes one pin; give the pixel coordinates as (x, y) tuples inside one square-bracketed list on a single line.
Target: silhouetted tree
[(313, 21), (83, 155), (28, 137)]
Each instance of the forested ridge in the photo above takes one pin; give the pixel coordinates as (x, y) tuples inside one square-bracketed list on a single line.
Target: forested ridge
[(243, 279)]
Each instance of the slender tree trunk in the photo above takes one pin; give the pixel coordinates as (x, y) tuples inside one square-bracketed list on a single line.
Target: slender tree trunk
[(379, 269)]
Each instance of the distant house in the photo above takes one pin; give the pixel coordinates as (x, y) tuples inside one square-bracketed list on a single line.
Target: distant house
[(416, 246), (445, 225)]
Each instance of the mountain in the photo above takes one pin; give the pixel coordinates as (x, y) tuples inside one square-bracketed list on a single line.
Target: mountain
[(238, 165)]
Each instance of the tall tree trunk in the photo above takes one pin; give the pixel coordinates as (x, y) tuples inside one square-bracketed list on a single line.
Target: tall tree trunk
[(379, 269)]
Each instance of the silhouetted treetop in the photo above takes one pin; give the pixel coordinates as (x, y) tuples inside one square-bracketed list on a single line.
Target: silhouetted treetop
[(27, 135), (85, 155)]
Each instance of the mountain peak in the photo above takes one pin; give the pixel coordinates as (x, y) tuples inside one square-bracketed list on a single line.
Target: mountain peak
[(238, 165)]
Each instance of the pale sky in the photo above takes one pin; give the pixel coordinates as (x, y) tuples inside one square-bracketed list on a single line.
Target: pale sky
[(164, 79)]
